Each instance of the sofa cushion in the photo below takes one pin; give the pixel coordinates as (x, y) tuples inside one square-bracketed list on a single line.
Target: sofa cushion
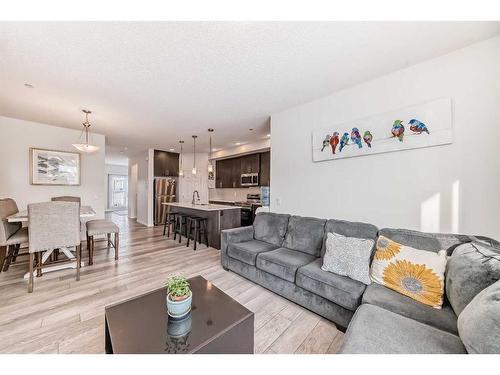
[(379, 331), (416, 273), (305, 234), (247, 251), (283, 262), (348, 256), (444, 318), (349, 229), (472, 267), (425, 241), (341, 290), (270, 227), (479, 322)]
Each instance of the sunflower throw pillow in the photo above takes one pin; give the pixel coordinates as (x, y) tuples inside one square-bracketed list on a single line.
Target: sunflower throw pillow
[(418, 274)]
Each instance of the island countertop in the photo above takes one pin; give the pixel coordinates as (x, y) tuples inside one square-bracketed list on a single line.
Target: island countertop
[(201, 206)]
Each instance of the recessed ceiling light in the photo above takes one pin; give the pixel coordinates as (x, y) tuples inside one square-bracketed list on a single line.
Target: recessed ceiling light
[(268, 135), (29, 85), (172, 149), (238, 143)]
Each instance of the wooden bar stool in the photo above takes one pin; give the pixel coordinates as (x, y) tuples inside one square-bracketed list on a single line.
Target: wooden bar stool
[(199, 224), (180, 226), (170, 220), (98, 227)]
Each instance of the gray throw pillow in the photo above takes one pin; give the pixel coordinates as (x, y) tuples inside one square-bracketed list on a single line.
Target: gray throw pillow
[(472, 267), (348, 256), (479, 322)]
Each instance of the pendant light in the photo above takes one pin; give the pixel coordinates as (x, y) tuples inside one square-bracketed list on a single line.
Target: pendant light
[(86, 147), (193, 171), (210, 165), (181, 172)]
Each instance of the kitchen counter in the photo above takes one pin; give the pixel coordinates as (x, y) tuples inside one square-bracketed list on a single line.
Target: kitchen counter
[(219, 217), (202, 206)]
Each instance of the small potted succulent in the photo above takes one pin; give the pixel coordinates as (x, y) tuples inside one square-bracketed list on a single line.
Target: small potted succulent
[(179, 297)]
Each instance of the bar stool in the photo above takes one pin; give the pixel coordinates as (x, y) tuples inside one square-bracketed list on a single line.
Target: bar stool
[(97, 227), (170, 219), (180, 225), (199, 224)]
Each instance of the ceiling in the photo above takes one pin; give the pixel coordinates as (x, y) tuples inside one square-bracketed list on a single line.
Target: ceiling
[(150, 84)]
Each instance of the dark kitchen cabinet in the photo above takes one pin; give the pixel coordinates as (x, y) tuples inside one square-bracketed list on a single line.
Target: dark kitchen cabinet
[(166, 164), (265, 169), (223, 170), (228, 171), (235, 172), (250, 163)]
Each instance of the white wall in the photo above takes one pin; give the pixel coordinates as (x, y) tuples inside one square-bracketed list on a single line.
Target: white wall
[(139, 190), (446, 188), (17, 136), (132, 190), (116, 170)]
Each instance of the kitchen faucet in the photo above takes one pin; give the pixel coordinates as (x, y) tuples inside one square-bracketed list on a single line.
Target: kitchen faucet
[(198, 194)]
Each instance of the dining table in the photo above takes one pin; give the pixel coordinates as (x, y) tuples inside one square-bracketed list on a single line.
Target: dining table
[(86, 212)]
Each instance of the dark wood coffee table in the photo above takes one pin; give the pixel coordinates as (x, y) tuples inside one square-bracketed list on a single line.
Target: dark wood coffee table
[(217, 324)]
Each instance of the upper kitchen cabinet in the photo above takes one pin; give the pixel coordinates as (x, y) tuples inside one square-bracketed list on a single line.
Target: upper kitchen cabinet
[(236, 172), (166, 164), (250, 163), (223, 173), (265, 168)]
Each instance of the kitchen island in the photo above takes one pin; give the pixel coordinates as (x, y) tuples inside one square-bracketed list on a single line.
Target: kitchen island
[(219, 217)]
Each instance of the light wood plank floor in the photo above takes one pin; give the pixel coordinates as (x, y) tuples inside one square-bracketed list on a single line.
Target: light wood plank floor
[(66, 316)]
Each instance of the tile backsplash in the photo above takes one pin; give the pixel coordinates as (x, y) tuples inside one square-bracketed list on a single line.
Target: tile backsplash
[(236, 194)]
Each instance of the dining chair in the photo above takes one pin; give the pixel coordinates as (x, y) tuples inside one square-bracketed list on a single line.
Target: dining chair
[(12, 235), (100, 227), (65, 198), (52, 225)]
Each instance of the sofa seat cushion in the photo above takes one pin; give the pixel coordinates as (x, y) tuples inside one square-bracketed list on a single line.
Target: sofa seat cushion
[(341, 290), (247, 252), (444, 318), (283, 262), (379, 331), (270, 227)]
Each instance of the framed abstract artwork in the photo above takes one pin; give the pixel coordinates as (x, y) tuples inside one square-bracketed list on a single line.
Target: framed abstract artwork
[(51, 167), (423, 125)]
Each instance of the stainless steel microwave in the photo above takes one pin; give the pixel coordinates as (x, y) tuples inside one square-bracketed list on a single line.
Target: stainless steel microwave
[(250, 179)]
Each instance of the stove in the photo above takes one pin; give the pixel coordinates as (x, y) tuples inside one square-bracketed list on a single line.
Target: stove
[(248, 208)]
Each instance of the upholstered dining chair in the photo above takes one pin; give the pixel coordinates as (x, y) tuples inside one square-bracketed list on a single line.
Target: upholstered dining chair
[(66, 198), (12, 235), (52, 225)]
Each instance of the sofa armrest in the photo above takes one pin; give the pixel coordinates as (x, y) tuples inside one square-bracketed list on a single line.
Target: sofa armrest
[(234, 235)]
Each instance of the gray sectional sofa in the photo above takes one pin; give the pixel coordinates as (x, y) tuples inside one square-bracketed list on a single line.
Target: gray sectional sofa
[(284, 253)]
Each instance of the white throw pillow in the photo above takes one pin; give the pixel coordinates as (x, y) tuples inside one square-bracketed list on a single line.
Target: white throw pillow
[(418, 274), (348, 256)]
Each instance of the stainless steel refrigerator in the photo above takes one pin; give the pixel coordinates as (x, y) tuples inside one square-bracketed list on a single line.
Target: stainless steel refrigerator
[(165, 190)]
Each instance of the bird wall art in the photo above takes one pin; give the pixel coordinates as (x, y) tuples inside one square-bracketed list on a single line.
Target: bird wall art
[(423, 125)]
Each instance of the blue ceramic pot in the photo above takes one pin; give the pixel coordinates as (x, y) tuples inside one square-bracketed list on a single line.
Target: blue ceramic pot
[(178, 309)]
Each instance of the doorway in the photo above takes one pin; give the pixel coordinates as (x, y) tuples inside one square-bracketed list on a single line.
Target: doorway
[(117, 192)]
